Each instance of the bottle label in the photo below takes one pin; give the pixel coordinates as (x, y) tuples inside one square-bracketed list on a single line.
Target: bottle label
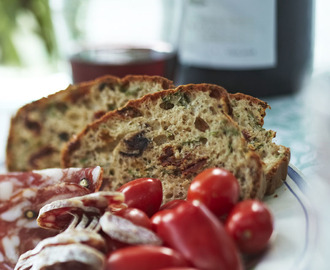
[(231, 34)]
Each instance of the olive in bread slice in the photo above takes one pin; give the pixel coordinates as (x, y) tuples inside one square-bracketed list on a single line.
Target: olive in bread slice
[(40, 129), (171, 135)]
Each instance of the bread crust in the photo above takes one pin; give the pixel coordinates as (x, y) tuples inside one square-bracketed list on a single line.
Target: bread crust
[(122, 113), (277, 175), (185, 166), (276, 167), (273, 169), (28, 145)]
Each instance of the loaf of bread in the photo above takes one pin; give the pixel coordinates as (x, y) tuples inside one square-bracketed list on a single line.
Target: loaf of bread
[(249, 113), (171, 135), (40, 129)]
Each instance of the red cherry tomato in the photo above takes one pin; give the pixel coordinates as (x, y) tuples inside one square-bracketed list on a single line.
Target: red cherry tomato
[(250, 224), (157, 218), (171, 204), (217, 188), (136, 216), (145, 194), (193, 230), (144, 257)]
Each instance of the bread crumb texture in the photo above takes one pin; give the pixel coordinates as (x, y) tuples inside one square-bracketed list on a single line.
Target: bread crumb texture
[(142, 126), (40, 129), (172, 135)]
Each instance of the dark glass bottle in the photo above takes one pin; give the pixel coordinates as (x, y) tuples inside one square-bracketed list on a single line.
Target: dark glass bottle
[(293, 45)]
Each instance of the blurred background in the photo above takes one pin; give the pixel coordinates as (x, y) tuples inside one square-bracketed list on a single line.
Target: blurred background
[(70, 41), (47, 44)]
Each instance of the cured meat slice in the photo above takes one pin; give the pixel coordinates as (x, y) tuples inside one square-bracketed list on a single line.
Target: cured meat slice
[(86, 237), (80, 238), (19, 229), (124, 231), (12, 183), (70, 256), (72, 235), (58, 214)]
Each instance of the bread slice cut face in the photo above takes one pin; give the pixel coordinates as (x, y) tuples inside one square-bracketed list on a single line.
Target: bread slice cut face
[(39, 130), (249, 113), (170, 135)]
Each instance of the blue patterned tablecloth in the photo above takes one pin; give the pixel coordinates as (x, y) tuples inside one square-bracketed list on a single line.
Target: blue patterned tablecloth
[(289, 119), (302, 122)]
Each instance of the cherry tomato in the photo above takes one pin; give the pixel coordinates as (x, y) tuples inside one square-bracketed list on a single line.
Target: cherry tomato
[(250, 224), (171, 204), (144, 257), (194, 231), (217, 188), (136, 216), (145, 194), (157, 218)]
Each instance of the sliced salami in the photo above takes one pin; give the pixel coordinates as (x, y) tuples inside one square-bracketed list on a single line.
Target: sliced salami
[(79, 239), (68, 237), (13, 182), (19, 229), (124, 231), (71, 256), (58, 214)]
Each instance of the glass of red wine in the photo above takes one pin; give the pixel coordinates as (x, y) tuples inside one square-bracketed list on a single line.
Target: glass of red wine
[(118, 37)]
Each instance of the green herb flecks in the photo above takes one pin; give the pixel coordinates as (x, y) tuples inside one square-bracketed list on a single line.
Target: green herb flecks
[(178, 98), (200, 140), (134, 92)]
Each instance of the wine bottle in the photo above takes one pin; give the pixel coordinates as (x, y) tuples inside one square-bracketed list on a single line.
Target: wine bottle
[(258, 47)]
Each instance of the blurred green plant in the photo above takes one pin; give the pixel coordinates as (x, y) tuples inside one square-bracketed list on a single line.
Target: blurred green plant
[(10, 11)]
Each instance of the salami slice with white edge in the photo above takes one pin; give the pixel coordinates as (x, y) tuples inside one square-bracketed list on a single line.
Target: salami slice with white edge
[(68, 237), (70, 256), (125, 231), (19, 229), (58, 214), (79, 216), (12, 183)]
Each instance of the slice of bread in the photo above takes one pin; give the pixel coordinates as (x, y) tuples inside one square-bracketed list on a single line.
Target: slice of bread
[(171, 135), (249, 113), (40, 129)]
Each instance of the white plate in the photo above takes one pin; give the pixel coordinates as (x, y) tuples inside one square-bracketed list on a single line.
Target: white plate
[(295, 229)]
